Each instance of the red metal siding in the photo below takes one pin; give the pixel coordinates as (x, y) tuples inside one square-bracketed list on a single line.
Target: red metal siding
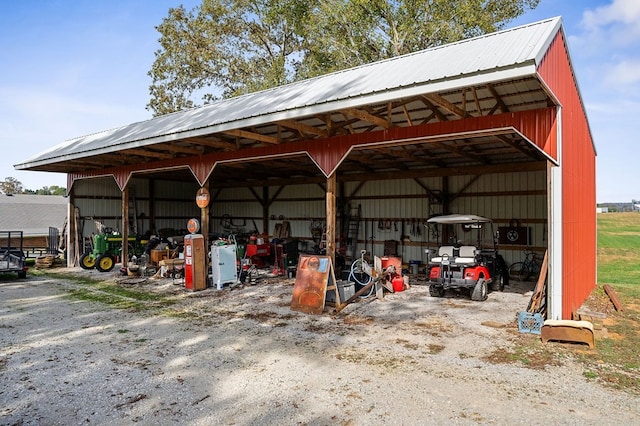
[(578, 181), (327, 153)]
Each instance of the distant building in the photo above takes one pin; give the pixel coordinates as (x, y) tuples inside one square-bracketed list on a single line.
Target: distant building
[(33, 215)]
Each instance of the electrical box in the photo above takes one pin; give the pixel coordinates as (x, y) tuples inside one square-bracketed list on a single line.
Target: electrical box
[(223, 265), (195, 263)]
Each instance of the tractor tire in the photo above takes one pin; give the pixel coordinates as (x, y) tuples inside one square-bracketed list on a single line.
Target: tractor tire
[(87, 261), (105, 263), (480, 291), (436, 291)]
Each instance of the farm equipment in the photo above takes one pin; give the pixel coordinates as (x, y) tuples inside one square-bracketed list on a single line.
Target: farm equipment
[(107, 247), (12, 258), (463, 264)]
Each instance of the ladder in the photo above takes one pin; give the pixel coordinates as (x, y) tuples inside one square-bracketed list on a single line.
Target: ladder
[(353, 230), (322, 247), (133, 212)]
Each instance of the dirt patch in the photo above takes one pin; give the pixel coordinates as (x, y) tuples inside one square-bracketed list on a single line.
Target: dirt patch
[(242, 356)]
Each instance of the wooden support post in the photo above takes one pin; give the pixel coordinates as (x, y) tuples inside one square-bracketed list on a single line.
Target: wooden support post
[(73, 246), (204, 220), (125, 226), (331, 218)]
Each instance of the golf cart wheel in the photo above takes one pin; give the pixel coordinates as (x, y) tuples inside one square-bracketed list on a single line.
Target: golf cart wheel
[(105, 263), (500, 281), (22, 274), (87, 261), (480, 291), (436, 291)]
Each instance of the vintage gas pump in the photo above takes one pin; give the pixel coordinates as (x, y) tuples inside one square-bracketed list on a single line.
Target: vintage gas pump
[(195, 259)]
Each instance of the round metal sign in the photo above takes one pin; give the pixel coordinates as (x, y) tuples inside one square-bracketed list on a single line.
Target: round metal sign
[(193, 225), (203, 197)]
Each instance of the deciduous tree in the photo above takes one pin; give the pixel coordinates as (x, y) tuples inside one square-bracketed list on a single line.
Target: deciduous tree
[(11, 186), (225, 48)]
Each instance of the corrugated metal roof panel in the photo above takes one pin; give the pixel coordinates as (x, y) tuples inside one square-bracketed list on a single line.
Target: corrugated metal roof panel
[(438, 68), (32, 214)]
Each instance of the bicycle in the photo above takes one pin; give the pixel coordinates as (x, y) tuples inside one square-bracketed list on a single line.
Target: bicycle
[(528, 268)]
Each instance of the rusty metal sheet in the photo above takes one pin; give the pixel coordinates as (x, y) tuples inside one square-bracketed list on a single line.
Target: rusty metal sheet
[(313, 275)]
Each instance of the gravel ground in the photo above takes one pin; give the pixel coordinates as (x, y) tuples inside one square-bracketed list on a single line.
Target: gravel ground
[(244, 357)]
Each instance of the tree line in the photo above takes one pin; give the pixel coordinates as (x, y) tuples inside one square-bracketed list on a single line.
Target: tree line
[(11, 186)]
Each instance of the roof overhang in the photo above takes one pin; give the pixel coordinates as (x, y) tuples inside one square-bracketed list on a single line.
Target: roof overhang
[(484, 76)]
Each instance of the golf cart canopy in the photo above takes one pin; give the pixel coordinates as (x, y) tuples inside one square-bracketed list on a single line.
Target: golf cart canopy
[(458, 218)]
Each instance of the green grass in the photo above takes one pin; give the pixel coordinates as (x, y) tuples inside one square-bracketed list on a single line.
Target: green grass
[(111, 294), (615, 360)]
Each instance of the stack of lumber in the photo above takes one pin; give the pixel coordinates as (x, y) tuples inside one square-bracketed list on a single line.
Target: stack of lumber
[(48, 261)]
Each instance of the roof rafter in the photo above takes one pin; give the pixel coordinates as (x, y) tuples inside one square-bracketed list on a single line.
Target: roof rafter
[(442, 102)]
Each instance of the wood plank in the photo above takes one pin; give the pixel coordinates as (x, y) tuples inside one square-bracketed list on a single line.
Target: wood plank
[(613, 296), (252, 135), (366, 116), (536, 297)]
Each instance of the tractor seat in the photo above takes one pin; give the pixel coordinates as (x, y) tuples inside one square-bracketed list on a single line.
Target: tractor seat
[(448, 250), (467, 256)]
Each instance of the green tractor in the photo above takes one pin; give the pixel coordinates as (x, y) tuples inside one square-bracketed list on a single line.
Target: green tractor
[(106, 247)]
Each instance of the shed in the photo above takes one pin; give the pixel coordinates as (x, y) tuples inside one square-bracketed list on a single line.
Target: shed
[(41, 218), (493, 125)]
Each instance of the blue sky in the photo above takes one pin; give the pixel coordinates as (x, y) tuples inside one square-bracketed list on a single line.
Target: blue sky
[(71, 68)]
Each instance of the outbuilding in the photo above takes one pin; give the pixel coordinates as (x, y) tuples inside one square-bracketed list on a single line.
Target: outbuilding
[(493, 126)]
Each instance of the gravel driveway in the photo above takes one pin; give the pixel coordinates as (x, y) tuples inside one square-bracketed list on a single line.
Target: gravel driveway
[(244, 357)]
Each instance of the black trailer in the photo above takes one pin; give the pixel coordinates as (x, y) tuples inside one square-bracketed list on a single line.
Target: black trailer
[(12, 257)]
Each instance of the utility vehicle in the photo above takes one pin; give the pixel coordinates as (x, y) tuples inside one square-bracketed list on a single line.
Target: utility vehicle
[(469, 261)]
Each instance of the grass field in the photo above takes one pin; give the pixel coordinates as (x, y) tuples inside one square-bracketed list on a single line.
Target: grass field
[(616, 359)]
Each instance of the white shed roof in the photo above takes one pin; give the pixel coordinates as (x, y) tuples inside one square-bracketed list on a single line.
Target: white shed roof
[(497, 56)]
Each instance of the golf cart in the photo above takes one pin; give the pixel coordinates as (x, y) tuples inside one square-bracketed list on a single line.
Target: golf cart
[(471, 262)]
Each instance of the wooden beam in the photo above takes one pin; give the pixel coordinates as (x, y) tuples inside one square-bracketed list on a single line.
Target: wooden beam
[(304, 128), (499, 102), (331, 218), (475, 97), (179, 148), (366, 116), (147, 153), (434, 108), (222, 144), (614, 297), (125, 226), (440, 101), (460, 152), (252, 135)]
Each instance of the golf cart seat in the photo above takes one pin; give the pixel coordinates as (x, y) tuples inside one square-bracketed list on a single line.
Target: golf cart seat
[(444, 250), (467, 255)]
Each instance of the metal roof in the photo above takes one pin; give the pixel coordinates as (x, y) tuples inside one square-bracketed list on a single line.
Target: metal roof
[(510, 55), (32, 214)]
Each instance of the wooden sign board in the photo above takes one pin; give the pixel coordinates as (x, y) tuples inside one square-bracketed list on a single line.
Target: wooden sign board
[(313, 275)]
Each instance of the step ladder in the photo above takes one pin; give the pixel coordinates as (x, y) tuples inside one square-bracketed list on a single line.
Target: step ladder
[(322, 247), (353, 230)]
